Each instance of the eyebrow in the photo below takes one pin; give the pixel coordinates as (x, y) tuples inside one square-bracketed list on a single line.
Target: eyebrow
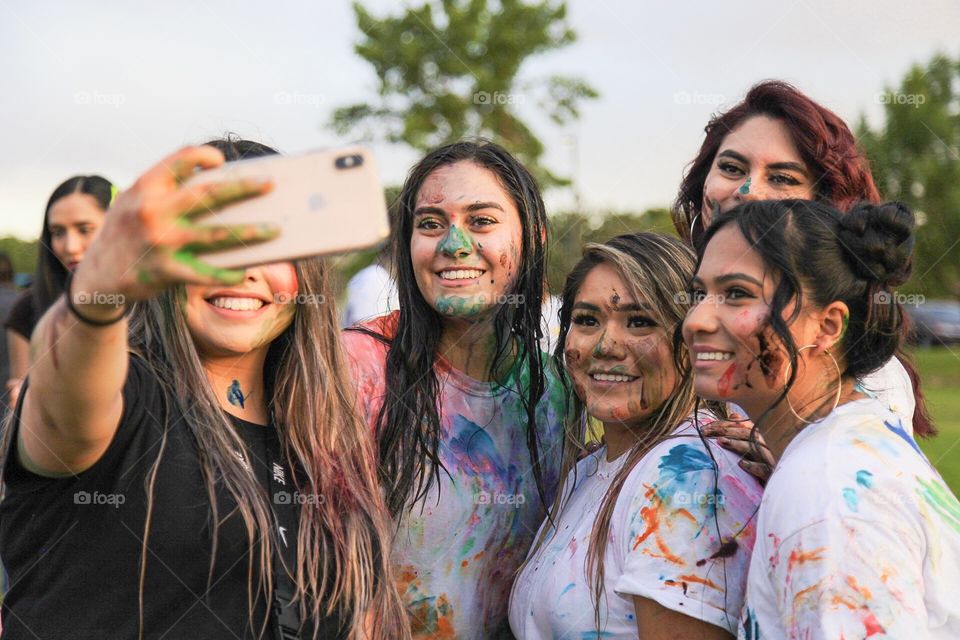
[(777, 166), (470, 208), (727, 277)]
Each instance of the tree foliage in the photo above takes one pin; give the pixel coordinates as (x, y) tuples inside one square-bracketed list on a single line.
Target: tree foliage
[(448, 69), (915, 157)]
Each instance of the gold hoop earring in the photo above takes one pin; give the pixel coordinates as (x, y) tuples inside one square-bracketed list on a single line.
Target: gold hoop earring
[(693, 223), (836, 400)]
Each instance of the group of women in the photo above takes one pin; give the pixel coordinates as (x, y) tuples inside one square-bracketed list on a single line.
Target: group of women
[(199, 452)]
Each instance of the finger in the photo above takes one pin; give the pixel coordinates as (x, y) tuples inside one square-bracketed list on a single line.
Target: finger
[(213, 238), (181, 164), (730, 430), (209, 198), (188, 268), (740, 447), (758, 470)]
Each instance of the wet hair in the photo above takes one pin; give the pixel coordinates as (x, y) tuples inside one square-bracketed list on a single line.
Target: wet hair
[(408, 423), (841, 176), (841, 173), (51, 275), (817, 252)]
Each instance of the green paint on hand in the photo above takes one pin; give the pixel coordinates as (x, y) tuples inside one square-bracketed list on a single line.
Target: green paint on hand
[(202, 268)]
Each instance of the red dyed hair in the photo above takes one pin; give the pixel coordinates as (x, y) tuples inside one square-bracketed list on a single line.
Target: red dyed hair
[(841, 175)]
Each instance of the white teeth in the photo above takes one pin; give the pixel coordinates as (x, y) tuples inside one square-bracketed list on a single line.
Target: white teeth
[(612, 377), (715, 355), (237, 304), (461, 274)]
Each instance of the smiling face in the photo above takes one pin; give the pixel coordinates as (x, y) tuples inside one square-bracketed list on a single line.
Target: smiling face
[(466, 241), (233, 321), (73, 221), (762, 151), (735, 353), (617, 355)]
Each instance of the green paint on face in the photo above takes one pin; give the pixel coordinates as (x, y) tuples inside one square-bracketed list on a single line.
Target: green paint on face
[(846, 323), (745, 187), (461, 307), (598, 348), (455, 242), (201, 268), (942, 501)]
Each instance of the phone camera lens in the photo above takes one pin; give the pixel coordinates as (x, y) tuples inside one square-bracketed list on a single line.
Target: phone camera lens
[(349, 162)]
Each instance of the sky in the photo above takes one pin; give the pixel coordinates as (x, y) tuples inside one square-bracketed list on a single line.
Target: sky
[(112, 87)]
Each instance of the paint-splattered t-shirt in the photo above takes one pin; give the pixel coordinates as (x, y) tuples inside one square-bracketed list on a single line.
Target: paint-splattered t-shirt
[(457, 550), (681, 535), (857, 537)]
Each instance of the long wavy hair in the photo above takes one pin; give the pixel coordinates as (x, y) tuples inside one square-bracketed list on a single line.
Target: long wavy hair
[(655, 269), (51, 275), (841, 177), (343, 542), (408, 424)]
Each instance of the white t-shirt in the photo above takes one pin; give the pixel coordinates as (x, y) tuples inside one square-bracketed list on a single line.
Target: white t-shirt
[(370, 293), (663, 539), (892, 387), (857, 537)]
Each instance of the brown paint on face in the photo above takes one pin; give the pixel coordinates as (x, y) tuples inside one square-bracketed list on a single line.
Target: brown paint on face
[(770, 359), (432, 195), (572, 355)]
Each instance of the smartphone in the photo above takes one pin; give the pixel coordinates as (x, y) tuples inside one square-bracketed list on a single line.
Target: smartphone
[(324, 202)]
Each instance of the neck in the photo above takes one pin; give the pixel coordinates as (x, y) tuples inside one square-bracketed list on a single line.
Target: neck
[(786, 420), (620, 438), (237, 383), (469, 345)]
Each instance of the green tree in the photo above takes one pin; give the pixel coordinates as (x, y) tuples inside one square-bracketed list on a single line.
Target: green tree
[(448, 69), (915, 157)]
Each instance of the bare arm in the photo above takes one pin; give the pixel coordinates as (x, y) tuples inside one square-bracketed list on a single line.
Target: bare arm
[(18, 348), (73, 404), (656, 622)]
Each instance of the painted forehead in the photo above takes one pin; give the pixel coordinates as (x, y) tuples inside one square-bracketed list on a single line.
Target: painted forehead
[(462, 182)]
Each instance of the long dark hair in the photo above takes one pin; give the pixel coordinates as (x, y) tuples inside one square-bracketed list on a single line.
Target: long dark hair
[(50, 276), (841, 177), (408, 424), (857, 258)]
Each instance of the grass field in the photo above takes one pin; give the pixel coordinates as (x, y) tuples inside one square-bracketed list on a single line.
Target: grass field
[(940, 375)]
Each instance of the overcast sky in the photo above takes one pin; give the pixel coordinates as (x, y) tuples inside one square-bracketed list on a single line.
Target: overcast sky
[(110, 87)]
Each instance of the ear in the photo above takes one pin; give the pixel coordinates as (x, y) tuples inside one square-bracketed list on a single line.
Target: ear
[(833, 323)]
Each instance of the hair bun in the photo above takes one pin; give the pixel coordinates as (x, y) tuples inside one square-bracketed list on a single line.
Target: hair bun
[(878, 242)]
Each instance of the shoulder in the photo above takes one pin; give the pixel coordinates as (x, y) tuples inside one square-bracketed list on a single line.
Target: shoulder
[(892, 385), (370, 341), (23, 316)]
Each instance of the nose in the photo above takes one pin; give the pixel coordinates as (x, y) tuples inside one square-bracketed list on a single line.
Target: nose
[(73, 244), (455, 243), (609, 346), (751, 190), (701, 318)]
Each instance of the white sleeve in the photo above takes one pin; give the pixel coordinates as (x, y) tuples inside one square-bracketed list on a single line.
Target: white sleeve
[(891, 384), (844, 577), (690, 532)]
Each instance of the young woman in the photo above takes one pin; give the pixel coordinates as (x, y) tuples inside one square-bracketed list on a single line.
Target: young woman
[(857, 535), (73, 216), (778, 143), (185, 478), (466, 412), (651, 535)]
